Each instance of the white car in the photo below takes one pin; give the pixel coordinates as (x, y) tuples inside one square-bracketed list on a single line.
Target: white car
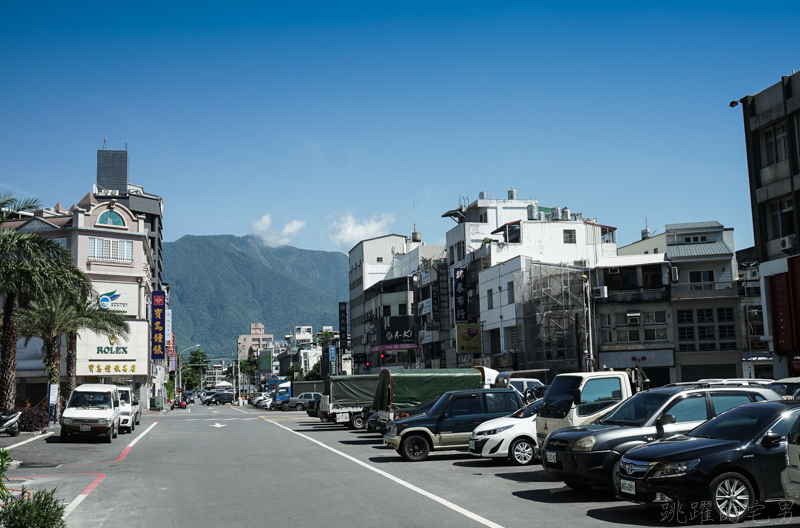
[(264, 403), (512, 437)]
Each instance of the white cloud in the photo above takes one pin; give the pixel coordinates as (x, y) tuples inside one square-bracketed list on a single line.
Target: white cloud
[(272, 238), (348, 231)]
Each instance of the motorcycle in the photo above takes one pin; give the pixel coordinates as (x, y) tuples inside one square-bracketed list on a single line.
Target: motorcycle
[(9, 423), (179, 405)]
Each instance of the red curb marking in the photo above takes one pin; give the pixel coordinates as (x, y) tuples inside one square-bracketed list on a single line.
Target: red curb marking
[(90, 488), (120, 459)]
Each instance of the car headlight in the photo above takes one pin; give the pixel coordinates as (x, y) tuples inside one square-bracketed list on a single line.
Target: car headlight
[(674, 469), (393, 430), (103, 421), (495, 431), (67, 421), (584, 444)]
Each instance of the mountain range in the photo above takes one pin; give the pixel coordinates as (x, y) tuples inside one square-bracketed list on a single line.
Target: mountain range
[(220, 284)]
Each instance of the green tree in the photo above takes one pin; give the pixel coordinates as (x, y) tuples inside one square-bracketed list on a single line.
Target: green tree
[(30, 267), (193, 370), (314, 373)]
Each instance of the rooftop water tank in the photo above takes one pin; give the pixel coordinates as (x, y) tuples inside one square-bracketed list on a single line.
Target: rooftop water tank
[(512, 194), (483, 195), (565, 214), (555, 213), (533, 213)]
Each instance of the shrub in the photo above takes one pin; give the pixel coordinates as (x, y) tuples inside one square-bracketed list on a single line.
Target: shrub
[(43, 510), (34, 418)]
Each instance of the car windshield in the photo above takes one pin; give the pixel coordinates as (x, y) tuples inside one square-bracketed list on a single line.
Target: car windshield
[(438, 407), (635, 410), (783, 388), (739, 423), (87, 400), (527, 411), (124, 396), (559, 395)]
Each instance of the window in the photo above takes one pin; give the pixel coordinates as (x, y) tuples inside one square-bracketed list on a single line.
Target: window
[(624, 336), (621, 318), (510, 292), (727, 332), (387, 311), (687, 347), (61, 242), (598, 394), (380, 259), (111, 218), (115, 250), (702, 276), (489, 299), (501, 402), (725, 400), (706, 333), (403, 309), (569, 236), (655, 334), (655, 317), (685, 316), (605, 319), (705, 315), (774, 145), (463, 406), (727, 346), (725, 315), (452, 255), (781, 218), (691, 408), (685, 333), (707, 347), (607, 337)]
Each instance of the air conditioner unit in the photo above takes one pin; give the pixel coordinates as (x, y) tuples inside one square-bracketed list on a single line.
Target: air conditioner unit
[(600, 292), (613, 271), (633, 320), (674, 271), (787, 242)]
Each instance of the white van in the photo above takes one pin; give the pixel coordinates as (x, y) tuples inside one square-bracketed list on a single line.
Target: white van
[(129, 406), (92, 410)]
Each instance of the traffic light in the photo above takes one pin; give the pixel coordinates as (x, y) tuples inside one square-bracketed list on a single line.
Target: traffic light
[(367, 363), (381, 356)]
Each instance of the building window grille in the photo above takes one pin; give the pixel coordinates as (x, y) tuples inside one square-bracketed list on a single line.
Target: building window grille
[(706, 333), (111, 218), (725, 315), (111, 250), (569, 236), (705, 315), (685, 316), (685, 333)]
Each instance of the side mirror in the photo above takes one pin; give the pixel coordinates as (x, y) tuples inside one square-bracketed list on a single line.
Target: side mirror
[(665, 420), (442, 415), (771, 439), (576, 396)]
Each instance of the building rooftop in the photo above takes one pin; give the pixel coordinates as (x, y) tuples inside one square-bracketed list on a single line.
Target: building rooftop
[(625, 261), (693, 225), (712, 249)]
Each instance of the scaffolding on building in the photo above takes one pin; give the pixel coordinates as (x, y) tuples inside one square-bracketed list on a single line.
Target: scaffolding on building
[(554, 318)]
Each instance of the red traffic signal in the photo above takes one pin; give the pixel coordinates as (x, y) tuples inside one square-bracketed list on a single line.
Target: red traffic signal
[(367, 363)]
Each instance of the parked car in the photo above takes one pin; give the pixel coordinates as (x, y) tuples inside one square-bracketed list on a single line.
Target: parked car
[(299, 402), (733, 461), (188, 397), (222, 397), (128, 411), (588, 456), (512, 437), (450, 421), (255, 398), (313, 408), (786, 387), (265, 403), (379, 426), (92, 410), (790, 477)]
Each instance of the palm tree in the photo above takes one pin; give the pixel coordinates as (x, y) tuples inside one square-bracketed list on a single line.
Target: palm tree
[(89, 315), (10, 206), (34, 267)]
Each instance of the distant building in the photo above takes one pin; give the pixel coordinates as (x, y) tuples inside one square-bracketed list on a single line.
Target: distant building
[(256, 339)]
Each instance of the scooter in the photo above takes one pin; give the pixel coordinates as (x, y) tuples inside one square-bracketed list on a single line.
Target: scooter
[(9, 423)]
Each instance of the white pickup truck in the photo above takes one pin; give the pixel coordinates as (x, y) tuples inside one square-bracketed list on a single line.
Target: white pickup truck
[(579, 397)]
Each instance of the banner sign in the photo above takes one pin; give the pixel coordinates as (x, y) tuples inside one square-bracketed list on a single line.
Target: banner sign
[(332, 354), (265, 361), (392, 333), (168, 326), (425, 277), (468, 338), (118, 297), (172, 364), (460, 306), (157, 347), (435, 301), (424, 307), (343, 325)]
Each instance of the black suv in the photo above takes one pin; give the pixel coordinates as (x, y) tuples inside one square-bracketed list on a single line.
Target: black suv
[(222, 397), (589, 455)]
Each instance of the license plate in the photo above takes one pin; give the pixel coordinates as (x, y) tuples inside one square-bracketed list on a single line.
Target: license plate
[(85, 428), (627, 486), (472, 444), (550, 457)]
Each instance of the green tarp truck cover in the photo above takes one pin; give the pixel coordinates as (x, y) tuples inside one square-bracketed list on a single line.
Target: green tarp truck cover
[(351, 391), (299, 387), (403, 389)]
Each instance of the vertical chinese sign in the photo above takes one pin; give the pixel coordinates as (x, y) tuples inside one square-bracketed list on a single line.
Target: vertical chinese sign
[(343, 325), (157, 347), (460, 306)]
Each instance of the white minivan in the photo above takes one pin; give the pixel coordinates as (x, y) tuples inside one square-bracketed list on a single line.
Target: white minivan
[(129, 406), (92, 410)]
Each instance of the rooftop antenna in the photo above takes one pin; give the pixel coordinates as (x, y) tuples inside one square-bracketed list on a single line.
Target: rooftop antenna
[(126, 144), (104, 143), (416, 236)]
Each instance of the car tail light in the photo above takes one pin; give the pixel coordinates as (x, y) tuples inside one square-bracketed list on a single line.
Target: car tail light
[(403, 415)]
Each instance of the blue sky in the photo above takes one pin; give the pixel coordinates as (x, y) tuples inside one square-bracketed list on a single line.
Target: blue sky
[(318, 124)]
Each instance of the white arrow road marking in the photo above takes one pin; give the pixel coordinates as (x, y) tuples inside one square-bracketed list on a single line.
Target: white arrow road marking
[(218, 425)]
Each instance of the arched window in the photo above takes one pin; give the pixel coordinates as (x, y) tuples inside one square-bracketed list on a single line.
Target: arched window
[(111, 218)]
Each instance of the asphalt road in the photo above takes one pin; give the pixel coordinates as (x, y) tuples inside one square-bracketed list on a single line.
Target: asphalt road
[(231, 466)]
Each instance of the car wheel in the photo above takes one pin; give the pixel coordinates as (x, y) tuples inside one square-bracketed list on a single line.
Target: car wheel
[(731, 497), (137, 420), (414, 448), (109, 434), (299, 407), (613, 478), (578, 486), (357, 422), (521, 452), (285, 406)]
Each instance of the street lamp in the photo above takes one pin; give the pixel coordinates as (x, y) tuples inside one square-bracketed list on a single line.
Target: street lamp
[(177, 364)]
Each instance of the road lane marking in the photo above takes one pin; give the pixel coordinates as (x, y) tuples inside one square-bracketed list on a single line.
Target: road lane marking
[(80, 498), (239, 410), (436, 498), (218, 425), (124, 451), (30, 440)]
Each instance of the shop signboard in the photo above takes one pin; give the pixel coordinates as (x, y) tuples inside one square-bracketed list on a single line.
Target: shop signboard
[(393, 333), (460, 305), (468, 338), (157, 347), (118, 296), (343, 325)]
